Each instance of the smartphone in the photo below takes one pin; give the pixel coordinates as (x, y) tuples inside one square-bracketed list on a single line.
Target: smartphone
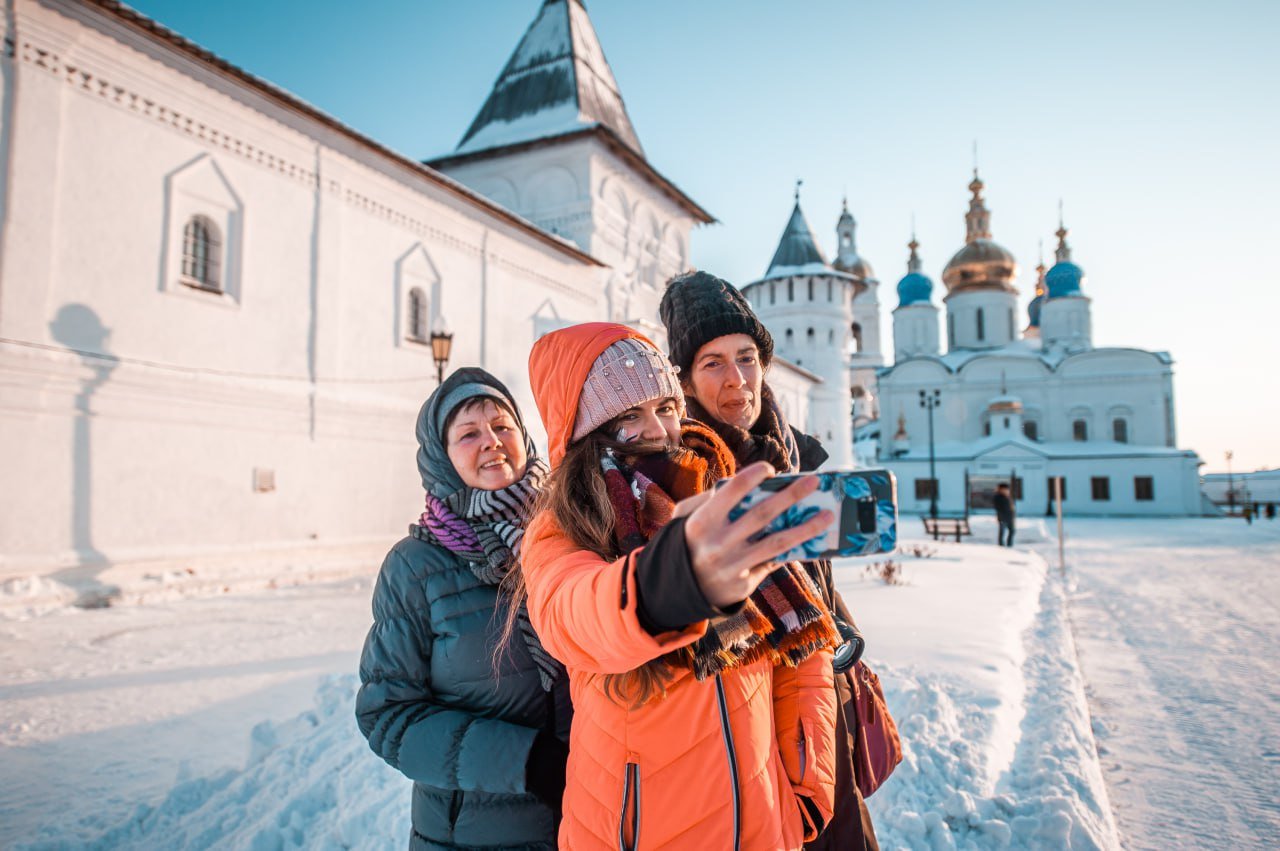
[(865, 503)]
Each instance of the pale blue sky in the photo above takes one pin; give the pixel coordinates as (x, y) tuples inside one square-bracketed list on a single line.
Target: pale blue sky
[(1158, 123)]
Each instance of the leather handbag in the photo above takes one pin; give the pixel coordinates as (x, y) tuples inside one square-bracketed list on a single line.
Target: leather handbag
[(877, 748)]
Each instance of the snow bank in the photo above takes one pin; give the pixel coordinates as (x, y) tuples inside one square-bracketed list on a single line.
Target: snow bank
[(310, 782)]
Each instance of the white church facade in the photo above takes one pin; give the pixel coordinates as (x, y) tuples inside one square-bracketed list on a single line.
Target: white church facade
[(1026, 408), (216, 300)]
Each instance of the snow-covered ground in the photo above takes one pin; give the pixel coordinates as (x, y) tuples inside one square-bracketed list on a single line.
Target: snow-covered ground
[(227, 721), (1178, 624)]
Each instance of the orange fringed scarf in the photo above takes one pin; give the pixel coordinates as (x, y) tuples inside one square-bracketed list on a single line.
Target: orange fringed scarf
[(784, 619)]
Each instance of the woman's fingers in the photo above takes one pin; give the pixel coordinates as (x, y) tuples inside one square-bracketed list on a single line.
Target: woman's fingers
[(771, 546), (760, 515)]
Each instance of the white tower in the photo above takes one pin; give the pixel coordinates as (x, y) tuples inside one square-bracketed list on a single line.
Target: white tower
[(808, 308), (981, 299), (915, 319), (866, 357), (1065, 319), (554, 143)]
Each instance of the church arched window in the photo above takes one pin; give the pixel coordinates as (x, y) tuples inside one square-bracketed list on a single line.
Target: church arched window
[(829, 296), (1031, 429), (857, 336), (791, 290), (831, 337), (200, 252), (790, 337), (416, 313), (773, 292), (1079, 430), (809, 337), (1120, 430), (982, 325), (811, 289)]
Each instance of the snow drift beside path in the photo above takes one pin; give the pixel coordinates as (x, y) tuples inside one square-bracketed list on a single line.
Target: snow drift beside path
[(310, 782)]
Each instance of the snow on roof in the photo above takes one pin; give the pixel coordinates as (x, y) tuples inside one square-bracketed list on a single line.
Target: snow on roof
[(556, 81), (1051, 357)]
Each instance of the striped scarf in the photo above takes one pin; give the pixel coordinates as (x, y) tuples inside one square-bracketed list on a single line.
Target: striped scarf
[(784, 619), (485, 529)]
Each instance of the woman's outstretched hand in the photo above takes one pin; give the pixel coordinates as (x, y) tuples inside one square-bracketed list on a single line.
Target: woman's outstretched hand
[(727, 565)]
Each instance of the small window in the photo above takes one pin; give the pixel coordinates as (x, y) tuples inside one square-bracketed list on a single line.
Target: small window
[(1062, 483), (982, 325), (1120, 430), (951, 330), (857, 335), (811, 289), (417, 313), (1100, 488), (791, 290), (829, 291), (926, 488), (809, 337), (1031, 429), (773, 293), (790, 337), (200, 249), (1144, 488), (986, 428), (1079, 430), (1016, 487), (831, 337)]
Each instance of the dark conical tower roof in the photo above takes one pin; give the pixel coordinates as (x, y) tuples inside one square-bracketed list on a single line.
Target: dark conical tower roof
[(557, 81), (797, 246)]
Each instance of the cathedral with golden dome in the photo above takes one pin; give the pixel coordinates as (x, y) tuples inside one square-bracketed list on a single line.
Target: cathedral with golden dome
[(1030, 406)]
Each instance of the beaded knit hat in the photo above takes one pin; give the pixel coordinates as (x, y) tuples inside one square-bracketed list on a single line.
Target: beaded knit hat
[(627, 373)]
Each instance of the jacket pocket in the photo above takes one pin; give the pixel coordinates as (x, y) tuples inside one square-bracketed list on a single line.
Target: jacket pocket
[(629, 815), (806, 750)]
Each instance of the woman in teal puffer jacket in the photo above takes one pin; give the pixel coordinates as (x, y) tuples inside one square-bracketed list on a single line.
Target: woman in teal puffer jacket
[(481, 729)]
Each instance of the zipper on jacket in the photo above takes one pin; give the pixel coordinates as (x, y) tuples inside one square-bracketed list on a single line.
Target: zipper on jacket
[(630, 801), (626, 570), (733, 763)]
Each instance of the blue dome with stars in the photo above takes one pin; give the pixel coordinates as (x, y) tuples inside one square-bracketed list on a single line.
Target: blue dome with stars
[(1064, 279)]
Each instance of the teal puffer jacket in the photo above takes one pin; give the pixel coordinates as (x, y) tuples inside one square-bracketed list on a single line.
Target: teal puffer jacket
[(432, 706)]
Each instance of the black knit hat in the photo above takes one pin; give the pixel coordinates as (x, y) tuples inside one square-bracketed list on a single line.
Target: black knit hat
[(698, 307)]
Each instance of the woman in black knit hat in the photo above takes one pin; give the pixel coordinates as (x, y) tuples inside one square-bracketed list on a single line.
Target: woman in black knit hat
[(723, 352)]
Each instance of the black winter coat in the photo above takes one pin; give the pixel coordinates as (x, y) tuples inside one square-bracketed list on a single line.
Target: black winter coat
[(431, 705)]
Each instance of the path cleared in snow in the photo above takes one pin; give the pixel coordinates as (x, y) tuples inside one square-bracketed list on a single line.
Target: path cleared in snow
[(1178, 625)]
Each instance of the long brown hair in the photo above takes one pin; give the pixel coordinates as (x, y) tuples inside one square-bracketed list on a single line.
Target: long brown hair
[(579, 503)]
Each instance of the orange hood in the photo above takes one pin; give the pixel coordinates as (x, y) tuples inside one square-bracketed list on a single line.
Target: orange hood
[(558, 369)]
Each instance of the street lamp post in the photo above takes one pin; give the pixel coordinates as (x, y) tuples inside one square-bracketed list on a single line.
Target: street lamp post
[(929, 401), (441, 345), (1231, 488)]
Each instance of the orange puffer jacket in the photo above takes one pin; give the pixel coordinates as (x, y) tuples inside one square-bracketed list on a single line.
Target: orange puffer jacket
[(711, 761)]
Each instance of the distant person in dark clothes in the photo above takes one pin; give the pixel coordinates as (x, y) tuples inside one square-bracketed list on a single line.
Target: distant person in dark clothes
[(1248, 514), (1003, 503), (1271, 511)]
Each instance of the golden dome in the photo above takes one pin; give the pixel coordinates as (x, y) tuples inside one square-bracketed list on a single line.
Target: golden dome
[(981, 264)]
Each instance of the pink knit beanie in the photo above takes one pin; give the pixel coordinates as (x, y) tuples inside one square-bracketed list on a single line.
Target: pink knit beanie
[(627, 373)]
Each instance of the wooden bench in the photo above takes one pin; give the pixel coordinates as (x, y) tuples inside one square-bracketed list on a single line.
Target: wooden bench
[(946, 527)]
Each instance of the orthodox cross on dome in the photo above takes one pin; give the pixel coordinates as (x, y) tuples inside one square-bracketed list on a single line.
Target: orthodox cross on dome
[(799, 183), (977, 221), (913, 262), (1063, 252)]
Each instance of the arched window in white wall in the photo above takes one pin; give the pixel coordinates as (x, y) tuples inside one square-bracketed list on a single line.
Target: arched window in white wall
[(789, 337), (773, 292), (201, 251), (203, 234), (857, 336), (1120, 430), (791, 289), (416, 316), (831, 337), (811, 289), (982, 324), (1079, 430), (810, 338)]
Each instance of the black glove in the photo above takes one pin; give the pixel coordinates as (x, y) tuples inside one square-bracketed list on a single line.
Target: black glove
[(544, 773)]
